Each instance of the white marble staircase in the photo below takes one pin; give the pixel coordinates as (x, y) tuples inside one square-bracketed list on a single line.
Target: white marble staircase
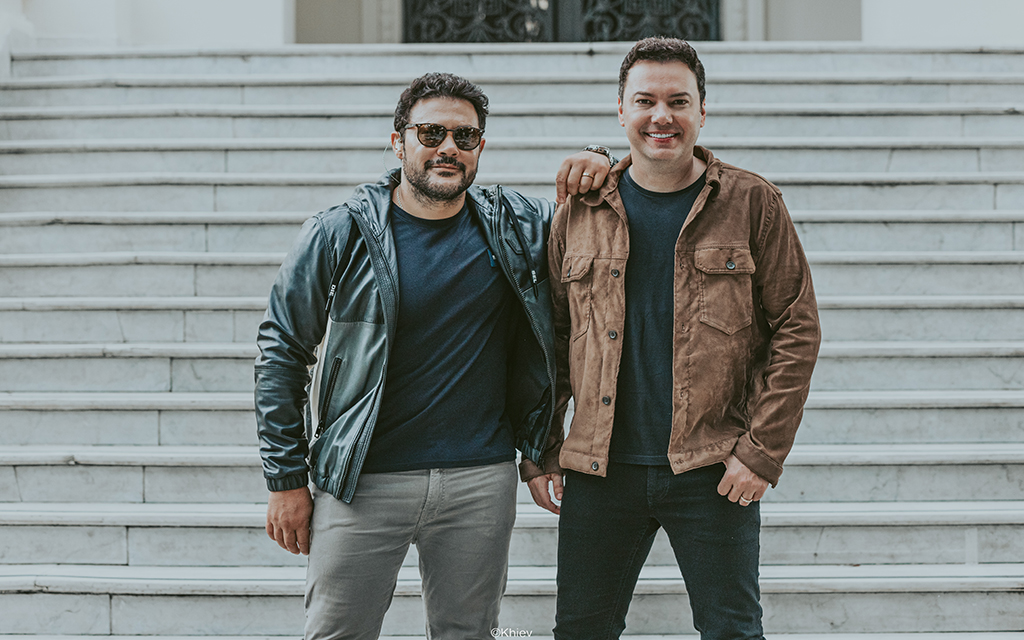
[(147, 198)]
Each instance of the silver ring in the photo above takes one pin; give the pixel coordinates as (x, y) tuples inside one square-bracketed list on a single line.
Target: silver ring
[(744, 501), (587, 175)]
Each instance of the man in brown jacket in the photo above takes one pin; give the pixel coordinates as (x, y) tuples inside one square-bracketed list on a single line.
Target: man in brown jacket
[(686, 332)]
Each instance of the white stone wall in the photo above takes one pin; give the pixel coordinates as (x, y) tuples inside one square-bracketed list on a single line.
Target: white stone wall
[(944, 23)]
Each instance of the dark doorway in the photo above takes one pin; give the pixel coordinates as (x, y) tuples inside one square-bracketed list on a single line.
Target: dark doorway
[(558, 20)]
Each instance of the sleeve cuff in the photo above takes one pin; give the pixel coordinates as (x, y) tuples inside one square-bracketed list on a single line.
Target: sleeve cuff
[(287, 483), (757, 460)]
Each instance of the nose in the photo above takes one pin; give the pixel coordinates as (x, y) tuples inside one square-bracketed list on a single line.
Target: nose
[(661, 114), (448, 146)]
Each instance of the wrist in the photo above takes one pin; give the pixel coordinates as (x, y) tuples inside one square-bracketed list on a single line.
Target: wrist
[(605, 151)]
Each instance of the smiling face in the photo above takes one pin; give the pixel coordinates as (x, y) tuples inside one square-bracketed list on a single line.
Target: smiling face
[(442, 173), (662, 113)]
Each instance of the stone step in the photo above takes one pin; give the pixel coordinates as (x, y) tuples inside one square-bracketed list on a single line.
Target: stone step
[(224, 601), (867, 230), (217, 474), (272, 192), (543, 119), (176, 419), (990, 635), (501, 88), (208, 273), (214, 367), (478, 59), (524, 633), (235, 319), (131, 319), (234, 535), (354, 155)]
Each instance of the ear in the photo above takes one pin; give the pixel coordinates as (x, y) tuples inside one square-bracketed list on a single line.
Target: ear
[(622, 119), (483, 141), (397, 144), (703, 113)]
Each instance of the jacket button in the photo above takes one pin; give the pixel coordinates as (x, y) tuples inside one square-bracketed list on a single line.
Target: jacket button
[(595, 466), (606, 400), (615, 273), (613, 335), (730, 265)]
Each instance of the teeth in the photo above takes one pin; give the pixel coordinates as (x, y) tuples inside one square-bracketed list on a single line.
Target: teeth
[(661, 136)]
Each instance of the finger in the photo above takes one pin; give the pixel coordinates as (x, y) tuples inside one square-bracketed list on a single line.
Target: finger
[(541, 497), (279, 537), (270, 529), (599, 176), (572, 181), (290, 543), (725, 486), (560, 177), (556, 485), (586, 181), (302, 539)]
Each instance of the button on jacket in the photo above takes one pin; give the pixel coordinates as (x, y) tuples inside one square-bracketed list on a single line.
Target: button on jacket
[(334, 306), (745, 331)]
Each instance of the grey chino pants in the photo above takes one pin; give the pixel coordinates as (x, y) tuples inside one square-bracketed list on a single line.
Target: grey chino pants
[(461, 523)]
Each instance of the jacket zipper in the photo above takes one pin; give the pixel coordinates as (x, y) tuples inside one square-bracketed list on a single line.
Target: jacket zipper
[(335, 367), (387, 294)]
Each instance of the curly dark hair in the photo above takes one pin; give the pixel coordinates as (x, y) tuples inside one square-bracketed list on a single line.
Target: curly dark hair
[(662, 49), (439, 85)]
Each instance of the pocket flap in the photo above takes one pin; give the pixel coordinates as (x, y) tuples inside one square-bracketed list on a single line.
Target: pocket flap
[(575, 267), (724, 260)]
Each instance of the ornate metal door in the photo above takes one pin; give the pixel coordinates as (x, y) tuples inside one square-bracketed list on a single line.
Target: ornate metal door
[(558, 20)]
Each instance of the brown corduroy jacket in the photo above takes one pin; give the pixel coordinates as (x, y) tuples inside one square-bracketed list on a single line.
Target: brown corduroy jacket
[(746, 329)]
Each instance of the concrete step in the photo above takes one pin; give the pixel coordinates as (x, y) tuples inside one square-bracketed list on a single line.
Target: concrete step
[(131, 319), (272, 192), (895, 365), (501, 88), (510, 120), (235, 319), (991, 635), (214, 367), (175, 419), (147, 367), (234, 535), (225, 601), (864, 230), (119, 418), (475, 59), (814, 473), (210, 273), (354, 155)]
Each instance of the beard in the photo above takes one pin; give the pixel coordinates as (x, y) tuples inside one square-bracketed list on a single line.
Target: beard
[(424, 189)]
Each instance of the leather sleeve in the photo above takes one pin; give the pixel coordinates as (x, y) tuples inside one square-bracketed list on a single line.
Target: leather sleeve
[(556, 249), (292, 327)]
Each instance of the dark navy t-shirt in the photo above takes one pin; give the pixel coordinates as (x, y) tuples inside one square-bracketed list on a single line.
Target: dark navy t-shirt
[(444, 396), (643, 405)]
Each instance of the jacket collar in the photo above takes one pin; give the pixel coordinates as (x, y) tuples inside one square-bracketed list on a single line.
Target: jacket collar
[(609, 192), (377, 198)]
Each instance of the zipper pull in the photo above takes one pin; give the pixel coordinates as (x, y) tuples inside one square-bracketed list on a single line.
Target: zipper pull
[(490, 258), (330, 296)]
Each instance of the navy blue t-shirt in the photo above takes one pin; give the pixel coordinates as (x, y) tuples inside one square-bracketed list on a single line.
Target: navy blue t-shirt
[(444, 396), (643, 405)]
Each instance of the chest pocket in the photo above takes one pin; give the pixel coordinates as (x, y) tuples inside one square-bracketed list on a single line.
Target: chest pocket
[(726, 294), (577, 274)]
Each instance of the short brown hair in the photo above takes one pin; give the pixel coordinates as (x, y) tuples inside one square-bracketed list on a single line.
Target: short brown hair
[(439, 85), (662, 49)]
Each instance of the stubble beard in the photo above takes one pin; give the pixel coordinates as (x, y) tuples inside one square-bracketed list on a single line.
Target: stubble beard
[(429, 193)]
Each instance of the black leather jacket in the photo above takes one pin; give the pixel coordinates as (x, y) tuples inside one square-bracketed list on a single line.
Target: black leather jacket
[(334, 306)]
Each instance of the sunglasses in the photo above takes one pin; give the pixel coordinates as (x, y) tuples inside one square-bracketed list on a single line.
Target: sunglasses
[(432, 135)]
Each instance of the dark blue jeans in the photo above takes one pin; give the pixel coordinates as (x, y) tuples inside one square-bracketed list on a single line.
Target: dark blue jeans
[(606, 530)]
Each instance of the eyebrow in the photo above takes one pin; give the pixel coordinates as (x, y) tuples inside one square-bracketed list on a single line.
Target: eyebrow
[(674, 95)]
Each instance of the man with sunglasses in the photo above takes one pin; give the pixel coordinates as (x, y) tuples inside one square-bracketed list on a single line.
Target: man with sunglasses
[(423, 306)]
